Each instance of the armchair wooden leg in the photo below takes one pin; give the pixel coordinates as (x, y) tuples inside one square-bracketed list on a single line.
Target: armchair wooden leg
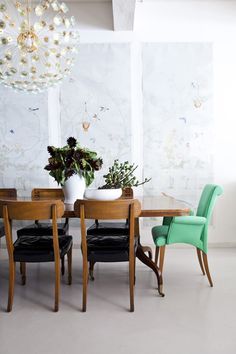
[(12, 270), (199, 255), (162, 256), (57, 285), (69, 261), (85, 285), (156, 255), (91, 268), (205, 261), (23, 273)]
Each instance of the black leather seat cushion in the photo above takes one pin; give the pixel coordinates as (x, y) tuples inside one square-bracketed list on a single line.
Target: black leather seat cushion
[(2, 230), (40, 229), (39, 248), (107, 242), (108, 248), (109, 228)]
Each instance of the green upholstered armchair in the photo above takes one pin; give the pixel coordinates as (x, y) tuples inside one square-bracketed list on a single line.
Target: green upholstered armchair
[(192, 229)]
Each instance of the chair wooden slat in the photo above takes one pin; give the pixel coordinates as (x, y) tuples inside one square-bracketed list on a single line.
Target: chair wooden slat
[(103, 210), (127, 193), (8, 193), (31, 210), (47, 193)]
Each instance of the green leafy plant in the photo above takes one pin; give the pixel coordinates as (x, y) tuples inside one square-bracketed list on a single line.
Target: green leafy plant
[(70, 160), (121, 175)]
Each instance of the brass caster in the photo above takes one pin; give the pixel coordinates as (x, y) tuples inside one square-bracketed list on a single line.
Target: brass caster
[(160, 291)]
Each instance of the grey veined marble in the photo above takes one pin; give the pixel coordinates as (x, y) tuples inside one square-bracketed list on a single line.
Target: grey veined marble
[(95, 102), (95, 105), (23, 140), (178, 118)]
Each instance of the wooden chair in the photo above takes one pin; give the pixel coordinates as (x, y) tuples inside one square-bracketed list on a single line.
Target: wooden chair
[(94, 251), (101, 228), (114, 228), (6, 193), (32, 249), (39, 228)]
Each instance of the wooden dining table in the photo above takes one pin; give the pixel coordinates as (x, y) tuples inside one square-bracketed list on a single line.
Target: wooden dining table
[(151, 206)]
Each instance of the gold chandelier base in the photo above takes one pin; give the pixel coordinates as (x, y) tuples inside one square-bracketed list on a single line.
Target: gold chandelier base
[(28, 41)]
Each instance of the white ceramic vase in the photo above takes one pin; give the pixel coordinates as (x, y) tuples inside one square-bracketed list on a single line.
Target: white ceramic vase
[(74, 189)]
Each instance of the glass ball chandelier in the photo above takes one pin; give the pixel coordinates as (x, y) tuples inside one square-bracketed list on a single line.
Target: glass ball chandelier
[(38, 44)]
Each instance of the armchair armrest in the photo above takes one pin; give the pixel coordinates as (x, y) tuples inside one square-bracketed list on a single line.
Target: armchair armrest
[(189, 220), (187, 229)]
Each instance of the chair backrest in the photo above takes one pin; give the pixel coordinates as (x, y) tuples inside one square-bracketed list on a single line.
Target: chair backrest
[(31, 210), (47, 193), (8, 193), (205, 208), (104, 210), (207, 200), (127, 193)]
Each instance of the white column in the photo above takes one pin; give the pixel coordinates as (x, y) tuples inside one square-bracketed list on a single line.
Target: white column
[(137, 110), (123, 14), (54, 122)]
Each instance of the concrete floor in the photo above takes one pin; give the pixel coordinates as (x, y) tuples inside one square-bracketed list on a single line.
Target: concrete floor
[(191, 318)]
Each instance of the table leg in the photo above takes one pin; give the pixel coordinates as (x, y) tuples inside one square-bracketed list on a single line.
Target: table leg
[(147, 249), (147, 261)]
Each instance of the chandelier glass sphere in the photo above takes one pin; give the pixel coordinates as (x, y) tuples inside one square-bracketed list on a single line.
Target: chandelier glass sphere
[(38, 44)]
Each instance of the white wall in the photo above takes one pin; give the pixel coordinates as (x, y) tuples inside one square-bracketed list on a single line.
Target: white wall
[(178, 21), (194, 21), (207, 22)]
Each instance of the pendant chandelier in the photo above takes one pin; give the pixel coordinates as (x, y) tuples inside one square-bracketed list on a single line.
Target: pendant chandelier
[(38, 44)]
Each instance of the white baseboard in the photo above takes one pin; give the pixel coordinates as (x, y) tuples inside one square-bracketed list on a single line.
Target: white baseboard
[(182, 246), (76, 245)]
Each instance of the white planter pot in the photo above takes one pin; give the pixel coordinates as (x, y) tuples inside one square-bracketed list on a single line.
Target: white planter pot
[(74, 189), (103, 194)]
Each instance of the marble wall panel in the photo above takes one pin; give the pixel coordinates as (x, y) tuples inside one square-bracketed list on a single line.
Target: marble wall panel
[(95, 102), (23, 140), (178, 118)]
